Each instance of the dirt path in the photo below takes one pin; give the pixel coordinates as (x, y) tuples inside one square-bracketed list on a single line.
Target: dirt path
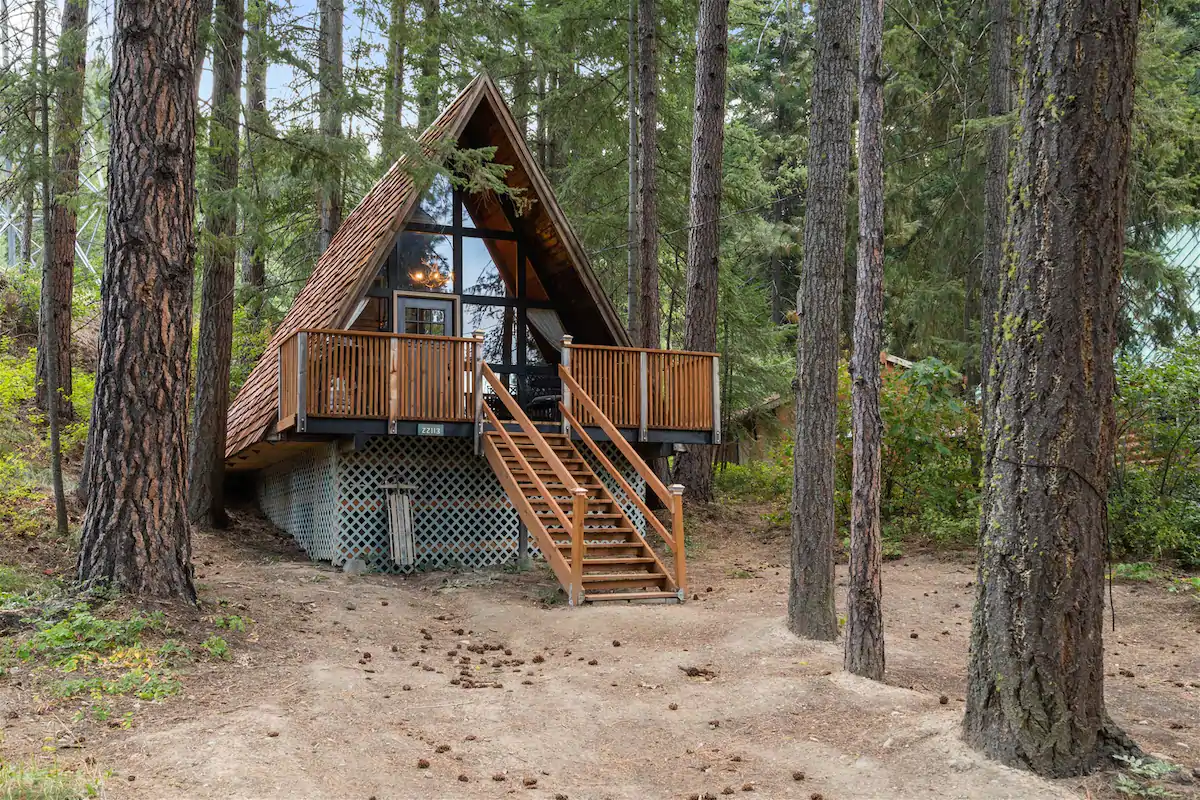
[(305, 712)]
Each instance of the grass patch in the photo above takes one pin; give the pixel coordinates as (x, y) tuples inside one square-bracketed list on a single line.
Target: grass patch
[(45, 782), (1141, 571)]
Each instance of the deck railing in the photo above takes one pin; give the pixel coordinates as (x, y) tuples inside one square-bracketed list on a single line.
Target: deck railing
[(648, 389), (364, 375)]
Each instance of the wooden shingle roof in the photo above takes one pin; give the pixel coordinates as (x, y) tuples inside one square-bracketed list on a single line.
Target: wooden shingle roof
[(353, 257)]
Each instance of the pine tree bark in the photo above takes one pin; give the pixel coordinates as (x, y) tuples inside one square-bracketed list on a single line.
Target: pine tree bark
[(330, 97), (1035, 683), (649, 310), (393, 89), (58, 281), (631, 152), (864, 595), (206, 458), (258, 127), (694, 467), (427, 82), (810, 602), (136, 536), (995, 202)]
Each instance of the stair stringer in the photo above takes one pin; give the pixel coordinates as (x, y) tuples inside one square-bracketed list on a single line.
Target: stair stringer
[(562, 570), (641, 537)]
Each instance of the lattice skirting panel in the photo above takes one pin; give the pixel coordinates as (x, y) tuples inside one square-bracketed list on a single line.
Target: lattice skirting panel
[(461, 515), (333, 503), (630, 475), (300, 495)]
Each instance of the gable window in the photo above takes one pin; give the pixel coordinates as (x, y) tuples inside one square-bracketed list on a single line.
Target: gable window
[(465, 249)]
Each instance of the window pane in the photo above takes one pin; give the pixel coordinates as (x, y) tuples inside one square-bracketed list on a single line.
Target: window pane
[(426, 262), (483, 210), (481, 274), (534, 355), (499, 326), (437, 204), (428, 321)]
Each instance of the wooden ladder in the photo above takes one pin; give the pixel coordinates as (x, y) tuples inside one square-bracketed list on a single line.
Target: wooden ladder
[(617, 563)]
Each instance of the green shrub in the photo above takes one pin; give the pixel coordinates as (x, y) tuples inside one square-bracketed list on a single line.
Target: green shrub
[(930, 456), (1154, 498)]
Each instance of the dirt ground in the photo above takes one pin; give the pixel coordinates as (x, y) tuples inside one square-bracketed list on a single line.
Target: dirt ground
[(343, 688)]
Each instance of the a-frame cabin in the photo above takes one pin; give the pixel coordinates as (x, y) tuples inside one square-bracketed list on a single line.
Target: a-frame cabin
[(452, 376)]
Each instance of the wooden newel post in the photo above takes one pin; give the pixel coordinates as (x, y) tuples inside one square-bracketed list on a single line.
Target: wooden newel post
[(676, 491), (716, 400), (393, 385), (477, 387), (566, 392), (578, 515), (643, 396), (302, 381)]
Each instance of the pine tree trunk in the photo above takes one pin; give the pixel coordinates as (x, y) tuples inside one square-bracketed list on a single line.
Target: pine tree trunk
[(393, 89), (427, 83), (48, 318), (203, 37), (258, 127), (818, 306), (331, 95), (649, 310), (539, 132), (864, 595), (694, 467), (58, 280), (522, 79), (136, 536), (206, 458), (1035, 682), (994, 200), (631, 153)]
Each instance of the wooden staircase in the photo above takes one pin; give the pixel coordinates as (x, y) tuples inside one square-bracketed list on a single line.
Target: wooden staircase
[(616, 563)]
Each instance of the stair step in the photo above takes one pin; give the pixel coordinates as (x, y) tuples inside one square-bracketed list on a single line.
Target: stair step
[(606, 561), (634, 544), (624, 576), (588, 516), (602, 596), (625, 580)]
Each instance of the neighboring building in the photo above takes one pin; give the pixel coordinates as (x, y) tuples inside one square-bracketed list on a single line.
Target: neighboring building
[(756, 430), (452, 374)]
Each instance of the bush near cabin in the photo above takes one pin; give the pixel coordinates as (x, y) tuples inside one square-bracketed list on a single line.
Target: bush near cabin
[(930, 460), (1154, 499)]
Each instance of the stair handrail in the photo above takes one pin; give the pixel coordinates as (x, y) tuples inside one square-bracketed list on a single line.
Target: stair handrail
[(525, 465), (618, 477), (610, 430), (528, 428), (672, 497)]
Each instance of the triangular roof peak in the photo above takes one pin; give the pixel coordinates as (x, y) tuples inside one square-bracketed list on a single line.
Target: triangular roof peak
[(477, 117)]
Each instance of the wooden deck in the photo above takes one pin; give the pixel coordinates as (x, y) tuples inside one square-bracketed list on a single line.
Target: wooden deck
[(346, 382)]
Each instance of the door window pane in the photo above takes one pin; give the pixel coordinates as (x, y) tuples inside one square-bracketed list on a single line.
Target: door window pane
[(427, 321), (426, 262), (499, 326)]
